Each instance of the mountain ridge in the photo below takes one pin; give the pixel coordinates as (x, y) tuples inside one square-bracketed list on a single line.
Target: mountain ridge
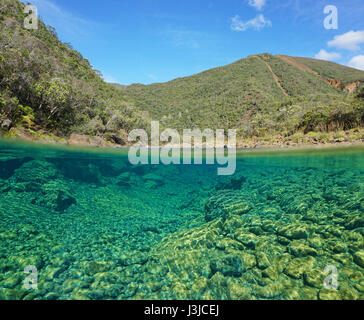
[(258, 84)]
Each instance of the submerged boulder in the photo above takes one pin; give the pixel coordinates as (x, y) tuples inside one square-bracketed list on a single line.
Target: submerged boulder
[(225, 202), (294, 231), (127, 179), (235, 182), (44, 182), (359, 258), (35, 172), (56, 196), (152, 180), (229, 265)]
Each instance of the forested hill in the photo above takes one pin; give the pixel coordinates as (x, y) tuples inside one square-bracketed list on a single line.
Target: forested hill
[(45, 84), (262, 94)]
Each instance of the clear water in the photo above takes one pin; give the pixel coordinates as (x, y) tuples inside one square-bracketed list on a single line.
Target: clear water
[(287, 225)]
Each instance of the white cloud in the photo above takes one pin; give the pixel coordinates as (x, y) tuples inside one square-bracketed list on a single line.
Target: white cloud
[(350, 40), (357, 62), (328, 56), (257, 4), (258, 23)]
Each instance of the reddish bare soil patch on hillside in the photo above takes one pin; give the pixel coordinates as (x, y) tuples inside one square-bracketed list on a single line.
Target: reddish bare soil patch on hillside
[(296, 64)]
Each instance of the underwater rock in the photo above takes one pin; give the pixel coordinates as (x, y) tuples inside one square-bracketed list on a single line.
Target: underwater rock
[(344, 258), (237, 290), (312, 216), (85, 170), (218, 286), (360, 286), (4, 186), (308, 293), (348, 293), (291, 201), (127, 179), (139, 169), (300, 249), (355, 222), (188, 257), (294, 231), (124, 179), (316, 242), (27, 230), (337, 246), (226, 243), (80, 294), (234, 183), (248, 239), (280, 261), (354, 204), (30, 296), (93, 267), (329, 294), (56, 196), (262, 260), (151, 228), (88, 173), (9, 165), (359, 258), (152, 180), (51, 296), (271, 291), (11, 281), (333, 194), (314, 278), (43, 180), (269, 226), (131, 258), (232, 223), (298, 266), (283, 241), (228, 265), (271, 272), (50, 273), (35, 173), (20, 262), (225, 202), (12, 294), (249, 261)]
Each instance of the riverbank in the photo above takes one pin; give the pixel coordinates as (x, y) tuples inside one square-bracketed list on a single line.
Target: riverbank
[(351, 138)]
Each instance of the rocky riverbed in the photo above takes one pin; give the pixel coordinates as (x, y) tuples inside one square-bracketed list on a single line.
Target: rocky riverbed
[(99, 228)]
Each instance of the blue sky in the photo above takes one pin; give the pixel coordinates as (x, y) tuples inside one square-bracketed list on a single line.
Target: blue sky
[(146, 41)]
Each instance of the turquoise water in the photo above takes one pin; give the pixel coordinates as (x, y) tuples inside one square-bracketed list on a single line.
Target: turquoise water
[(96, 227)]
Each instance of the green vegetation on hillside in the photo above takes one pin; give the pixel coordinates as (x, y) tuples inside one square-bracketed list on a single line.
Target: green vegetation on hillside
[(261, 95), (331, 70), (297, 82), (46, 84), (217, 98)]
